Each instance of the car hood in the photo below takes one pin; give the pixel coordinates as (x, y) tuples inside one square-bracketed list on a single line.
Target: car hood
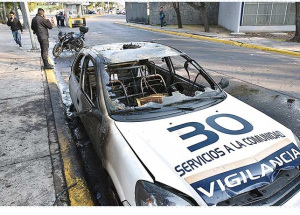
[(215, 153)]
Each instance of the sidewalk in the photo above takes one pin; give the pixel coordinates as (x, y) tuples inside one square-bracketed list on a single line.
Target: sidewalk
[(30, 161), (264, 44)]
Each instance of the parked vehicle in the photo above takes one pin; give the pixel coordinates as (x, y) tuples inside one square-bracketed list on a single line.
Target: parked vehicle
[(91, 12), (169, 135), (121, 11), (69, 41)]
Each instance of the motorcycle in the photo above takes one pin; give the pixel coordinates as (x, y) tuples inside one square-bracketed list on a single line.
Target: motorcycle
[(69, 41)]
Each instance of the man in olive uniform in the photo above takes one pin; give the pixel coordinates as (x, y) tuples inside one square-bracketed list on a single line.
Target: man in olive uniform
[(40, 25)]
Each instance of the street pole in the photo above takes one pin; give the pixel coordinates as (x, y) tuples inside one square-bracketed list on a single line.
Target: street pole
[(25, 23), (29, 26)]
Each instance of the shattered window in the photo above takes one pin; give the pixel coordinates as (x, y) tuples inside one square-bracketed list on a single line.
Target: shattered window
[(147, 84), (89, 80)]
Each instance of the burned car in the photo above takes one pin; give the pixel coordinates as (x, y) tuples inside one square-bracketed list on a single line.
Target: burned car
[(168, 134)]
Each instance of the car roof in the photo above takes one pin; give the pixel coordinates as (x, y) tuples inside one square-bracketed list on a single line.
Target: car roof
[(133, 51)]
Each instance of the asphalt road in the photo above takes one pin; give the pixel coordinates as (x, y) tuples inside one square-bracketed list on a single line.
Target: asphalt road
[(267, 81)]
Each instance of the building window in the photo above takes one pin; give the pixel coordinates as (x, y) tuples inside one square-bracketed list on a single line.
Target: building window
[(267, 13)]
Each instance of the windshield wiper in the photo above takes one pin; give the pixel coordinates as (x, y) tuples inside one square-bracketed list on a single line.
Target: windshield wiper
[(136, 110), (185, 108)]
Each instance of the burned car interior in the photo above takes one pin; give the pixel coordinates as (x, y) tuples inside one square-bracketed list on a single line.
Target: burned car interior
[(144, 83)]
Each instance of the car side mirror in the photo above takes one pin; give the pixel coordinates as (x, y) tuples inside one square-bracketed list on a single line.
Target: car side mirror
[(224, 83)]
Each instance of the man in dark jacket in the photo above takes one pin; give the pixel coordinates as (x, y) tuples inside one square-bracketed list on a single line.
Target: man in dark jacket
[(15, 27), (40, 25), (161, 17)]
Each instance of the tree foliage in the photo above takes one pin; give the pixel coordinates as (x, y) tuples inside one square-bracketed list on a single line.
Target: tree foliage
[(32, 6)]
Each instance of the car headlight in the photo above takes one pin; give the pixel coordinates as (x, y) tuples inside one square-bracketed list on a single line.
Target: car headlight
[(297, 140), (149, 194)]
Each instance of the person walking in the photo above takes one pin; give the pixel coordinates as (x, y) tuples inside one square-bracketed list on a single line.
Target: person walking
[(40, 25), (15, 27), (161, 17)]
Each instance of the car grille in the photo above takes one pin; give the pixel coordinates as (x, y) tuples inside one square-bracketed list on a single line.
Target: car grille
[(285, 186)]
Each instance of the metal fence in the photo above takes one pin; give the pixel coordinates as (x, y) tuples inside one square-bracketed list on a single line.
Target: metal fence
[(267, 13), (136, 12)]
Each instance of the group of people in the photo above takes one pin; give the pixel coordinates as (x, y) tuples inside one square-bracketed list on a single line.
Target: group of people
[(60, 19), (40, 25)]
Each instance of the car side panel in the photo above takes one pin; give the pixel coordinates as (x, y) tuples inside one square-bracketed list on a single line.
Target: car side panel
[(122, 164), (74, 88)]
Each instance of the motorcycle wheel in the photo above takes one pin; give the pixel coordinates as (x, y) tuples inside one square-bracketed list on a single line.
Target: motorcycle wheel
[(57, 50), (78, 45)]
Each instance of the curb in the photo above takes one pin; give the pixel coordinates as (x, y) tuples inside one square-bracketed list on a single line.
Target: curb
[(79, 194), (245, 45)]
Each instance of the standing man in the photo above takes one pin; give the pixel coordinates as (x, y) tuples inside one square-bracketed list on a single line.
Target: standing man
[(40, 25), (161, 17), (15, 27), (62, 19)]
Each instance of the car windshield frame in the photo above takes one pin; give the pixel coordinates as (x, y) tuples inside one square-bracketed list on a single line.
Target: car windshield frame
[(158, 107)]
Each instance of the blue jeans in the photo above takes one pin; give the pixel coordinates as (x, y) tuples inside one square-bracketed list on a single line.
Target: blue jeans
[(17, 37), (161, 22)]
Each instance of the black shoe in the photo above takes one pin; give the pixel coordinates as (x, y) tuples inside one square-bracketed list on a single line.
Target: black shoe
[(48, 66)]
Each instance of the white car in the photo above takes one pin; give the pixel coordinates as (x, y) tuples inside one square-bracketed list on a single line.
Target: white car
[(167, 134)]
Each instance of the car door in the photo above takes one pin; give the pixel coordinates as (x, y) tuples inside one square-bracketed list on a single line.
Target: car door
[(74, 80), (89, 98)]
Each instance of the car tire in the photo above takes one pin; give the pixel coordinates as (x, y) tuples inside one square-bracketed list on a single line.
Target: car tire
[(57, 50), (113, 197), (112, 192)]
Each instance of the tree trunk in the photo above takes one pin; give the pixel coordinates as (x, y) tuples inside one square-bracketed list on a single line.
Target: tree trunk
[(1, 15), (201, 6), (205, 19), (16, 10), (177, 10), (4, 13), (25, 23), (296, 38)]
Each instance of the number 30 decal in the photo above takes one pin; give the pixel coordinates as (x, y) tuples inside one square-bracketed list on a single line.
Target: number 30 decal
[(212, 137)]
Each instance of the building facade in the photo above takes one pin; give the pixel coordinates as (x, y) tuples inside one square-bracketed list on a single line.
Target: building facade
[(257, 16), (235, 16)]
